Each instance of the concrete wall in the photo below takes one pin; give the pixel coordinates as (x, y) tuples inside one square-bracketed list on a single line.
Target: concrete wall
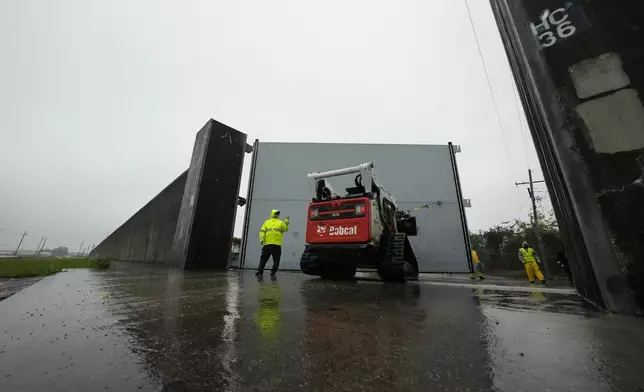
[(207, 216), (148, 235), (415, 174), (190, 223), (579, 66)]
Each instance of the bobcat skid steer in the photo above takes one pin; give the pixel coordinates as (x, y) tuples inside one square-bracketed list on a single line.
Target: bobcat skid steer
[(364, 228)]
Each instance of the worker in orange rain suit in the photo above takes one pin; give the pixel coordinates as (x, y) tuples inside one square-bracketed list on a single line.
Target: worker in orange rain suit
[(529, 259), (271, 236), (478, 266)]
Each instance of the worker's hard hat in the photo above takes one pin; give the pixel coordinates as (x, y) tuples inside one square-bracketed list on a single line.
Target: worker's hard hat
[(525, 243)]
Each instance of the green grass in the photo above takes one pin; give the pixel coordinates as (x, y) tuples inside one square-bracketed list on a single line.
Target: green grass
[(25, 267)]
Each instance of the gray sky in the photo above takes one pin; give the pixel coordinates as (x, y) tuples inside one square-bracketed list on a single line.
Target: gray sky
[(100, 100)]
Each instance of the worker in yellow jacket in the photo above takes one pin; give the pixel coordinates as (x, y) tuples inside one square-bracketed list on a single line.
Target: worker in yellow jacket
[(271, 236), (478, 266), (529, 258)]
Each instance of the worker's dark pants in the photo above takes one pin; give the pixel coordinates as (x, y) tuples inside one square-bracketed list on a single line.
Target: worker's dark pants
[(268, 251), (566, 268)]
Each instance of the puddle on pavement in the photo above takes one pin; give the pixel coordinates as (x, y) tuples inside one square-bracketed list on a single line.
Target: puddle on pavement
[(536, 301)]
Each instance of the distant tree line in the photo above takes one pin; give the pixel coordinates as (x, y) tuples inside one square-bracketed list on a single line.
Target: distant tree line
[(498, 246)]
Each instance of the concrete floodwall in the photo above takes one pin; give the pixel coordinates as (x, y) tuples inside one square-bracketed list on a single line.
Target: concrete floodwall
[(207, 216), (578, 66), (190, 223), (147, 236)]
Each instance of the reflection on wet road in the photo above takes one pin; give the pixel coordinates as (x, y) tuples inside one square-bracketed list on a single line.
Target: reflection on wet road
[(139, 327)]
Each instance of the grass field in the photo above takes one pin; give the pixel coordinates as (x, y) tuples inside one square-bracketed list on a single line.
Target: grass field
[(24, 267)]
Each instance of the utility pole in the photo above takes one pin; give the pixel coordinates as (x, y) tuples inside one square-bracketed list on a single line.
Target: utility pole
[(38, 247), (80, 248), (535, 222), (42, 247), (20, 243)]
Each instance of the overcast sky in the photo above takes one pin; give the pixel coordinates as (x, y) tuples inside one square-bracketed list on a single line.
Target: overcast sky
[(100, 100)]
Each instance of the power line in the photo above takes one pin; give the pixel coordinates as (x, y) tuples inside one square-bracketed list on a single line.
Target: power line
[(489, 83), (525, 203), (521, 127)]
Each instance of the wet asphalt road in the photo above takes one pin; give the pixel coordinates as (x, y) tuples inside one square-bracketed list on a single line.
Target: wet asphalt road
[(144, 328)]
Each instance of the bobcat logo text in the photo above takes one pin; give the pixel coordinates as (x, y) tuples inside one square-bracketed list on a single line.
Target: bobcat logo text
[(337, 230), (342, 231)]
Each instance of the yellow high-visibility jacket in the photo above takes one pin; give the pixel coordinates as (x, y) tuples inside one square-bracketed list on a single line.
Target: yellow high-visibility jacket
[(272, 232), (475, 257), (527, 255)]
